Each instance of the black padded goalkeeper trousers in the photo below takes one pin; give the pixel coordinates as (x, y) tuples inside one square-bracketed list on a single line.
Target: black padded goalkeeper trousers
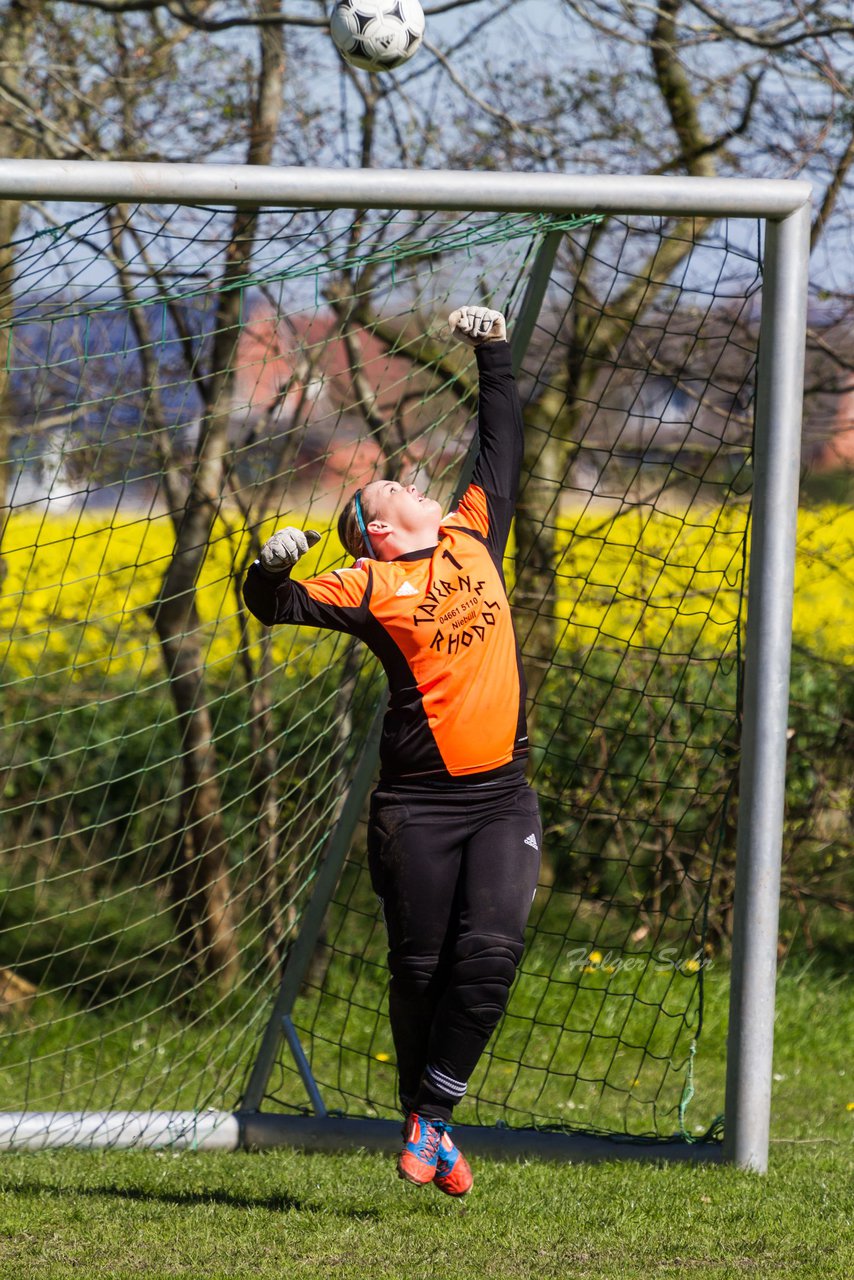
[(456, 871)]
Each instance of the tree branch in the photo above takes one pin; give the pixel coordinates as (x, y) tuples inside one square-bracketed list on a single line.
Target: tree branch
[(831, 195), (760, 40), (182, 13), (448, 6), (467, 92), (41, 129), (675, 89)]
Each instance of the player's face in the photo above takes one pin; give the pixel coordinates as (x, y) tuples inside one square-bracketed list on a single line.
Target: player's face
[(404, 508)]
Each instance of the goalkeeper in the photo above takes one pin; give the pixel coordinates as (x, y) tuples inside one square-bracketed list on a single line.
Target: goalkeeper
[(454, 834)]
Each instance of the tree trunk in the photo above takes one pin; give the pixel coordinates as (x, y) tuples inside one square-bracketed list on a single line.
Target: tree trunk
[(267, 887), (8, 222), (16, 26), (549, 449), (341, 737), (201, 878), (536, 517)]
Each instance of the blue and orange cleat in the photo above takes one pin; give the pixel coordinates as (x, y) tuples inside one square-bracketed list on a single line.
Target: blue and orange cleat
[(453, 1175), (420, 1154)]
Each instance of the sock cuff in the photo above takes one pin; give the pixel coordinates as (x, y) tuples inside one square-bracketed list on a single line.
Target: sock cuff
[(442, 1083)]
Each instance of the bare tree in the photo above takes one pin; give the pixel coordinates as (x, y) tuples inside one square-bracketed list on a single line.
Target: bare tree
[(703, 108), (15, 36)]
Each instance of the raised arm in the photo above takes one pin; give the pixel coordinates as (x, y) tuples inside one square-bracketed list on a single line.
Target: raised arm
[(337, 600), (489, 502)]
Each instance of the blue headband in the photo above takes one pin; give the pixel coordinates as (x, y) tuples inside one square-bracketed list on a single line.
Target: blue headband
[(360, 520)]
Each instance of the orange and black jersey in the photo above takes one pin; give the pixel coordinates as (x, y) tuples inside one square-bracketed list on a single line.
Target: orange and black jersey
[(437, 619)]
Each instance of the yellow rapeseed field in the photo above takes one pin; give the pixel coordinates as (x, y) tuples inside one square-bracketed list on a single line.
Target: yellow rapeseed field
[(75, 598)]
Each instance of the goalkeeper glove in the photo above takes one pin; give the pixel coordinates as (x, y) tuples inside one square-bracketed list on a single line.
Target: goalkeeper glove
[(476, 325), (282, 551)]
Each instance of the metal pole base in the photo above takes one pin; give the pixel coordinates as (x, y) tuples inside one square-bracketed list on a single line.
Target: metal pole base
[(256, 1130), (95, 1130)]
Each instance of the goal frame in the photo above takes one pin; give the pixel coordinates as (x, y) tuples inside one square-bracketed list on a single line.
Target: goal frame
[(785, 207)]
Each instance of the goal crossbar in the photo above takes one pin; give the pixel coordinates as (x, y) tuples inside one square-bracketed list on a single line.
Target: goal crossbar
[(239, 185)]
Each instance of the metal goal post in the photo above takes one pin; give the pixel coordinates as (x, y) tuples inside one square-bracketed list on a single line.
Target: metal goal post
[(785, 208)]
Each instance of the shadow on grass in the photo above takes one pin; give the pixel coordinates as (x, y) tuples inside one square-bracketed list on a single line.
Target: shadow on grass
[(274, 1204)]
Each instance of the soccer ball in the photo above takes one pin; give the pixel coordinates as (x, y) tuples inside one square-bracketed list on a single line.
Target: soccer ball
[(377, 35)]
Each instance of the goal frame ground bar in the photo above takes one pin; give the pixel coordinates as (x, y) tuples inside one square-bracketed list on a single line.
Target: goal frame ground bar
[(263, 1131)]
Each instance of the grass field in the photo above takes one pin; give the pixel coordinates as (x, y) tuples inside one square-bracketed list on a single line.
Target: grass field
[(284, 1213), (288, 1214)]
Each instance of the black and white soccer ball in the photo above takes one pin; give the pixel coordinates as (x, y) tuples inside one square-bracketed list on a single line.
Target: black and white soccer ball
[(377, 35)]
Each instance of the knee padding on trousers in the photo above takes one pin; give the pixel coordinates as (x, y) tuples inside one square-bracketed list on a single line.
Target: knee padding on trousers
[(483, 972), (411, 974)]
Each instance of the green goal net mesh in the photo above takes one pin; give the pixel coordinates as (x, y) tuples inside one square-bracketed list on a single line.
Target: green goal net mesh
[(176, 384)]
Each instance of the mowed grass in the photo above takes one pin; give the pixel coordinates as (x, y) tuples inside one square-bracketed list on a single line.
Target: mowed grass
[(286, 1213)]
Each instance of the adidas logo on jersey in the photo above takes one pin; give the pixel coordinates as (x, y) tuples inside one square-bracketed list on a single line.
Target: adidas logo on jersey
[(406, 590), (532, 841)]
